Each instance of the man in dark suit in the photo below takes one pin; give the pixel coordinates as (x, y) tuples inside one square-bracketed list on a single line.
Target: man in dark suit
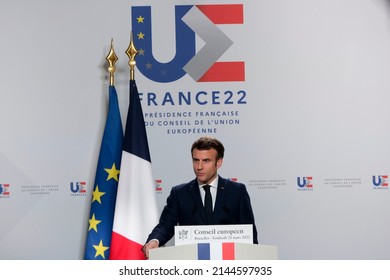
[(207, 200)]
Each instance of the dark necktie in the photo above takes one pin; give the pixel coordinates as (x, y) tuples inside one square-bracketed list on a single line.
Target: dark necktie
[(208, 203)]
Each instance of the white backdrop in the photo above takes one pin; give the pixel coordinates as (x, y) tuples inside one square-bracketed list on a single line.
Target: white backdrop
[(316, 111)]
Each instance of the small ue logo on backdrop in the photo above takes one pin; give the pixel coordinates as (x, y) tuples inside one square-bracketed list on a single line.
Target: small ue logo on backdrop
[(4, 190), (78, 188), (380, 181), (305, 183), (157, 185)]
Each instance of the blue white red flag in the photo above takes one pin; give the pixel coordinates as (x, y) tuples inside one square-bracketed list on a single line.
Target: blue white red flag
[(216, 251), (136, 212)]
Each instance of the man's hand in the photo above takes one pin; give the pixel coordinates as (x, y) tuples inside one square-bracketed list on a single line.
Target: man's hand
[(150, 245)]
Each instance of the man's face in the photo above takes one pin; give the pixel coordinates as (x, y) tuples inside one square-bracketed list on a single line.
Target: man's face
[(205, 165)]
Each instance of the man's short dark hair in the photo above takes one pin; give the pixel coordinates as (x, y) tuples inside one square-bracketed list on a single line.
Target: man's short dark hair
[(207, 143)]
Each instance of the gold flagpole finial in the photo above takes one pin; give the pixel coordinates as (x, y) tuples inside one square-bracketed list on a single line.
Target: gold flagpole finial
[(112, 59), (131, 53)]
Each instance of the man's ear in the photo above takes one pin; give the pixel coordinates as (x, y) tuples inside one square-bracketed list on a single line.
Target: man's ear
[(219, 162)]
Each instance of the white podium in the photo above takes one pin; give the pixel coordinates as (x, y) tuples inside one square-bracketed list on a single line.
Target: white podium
[(214, 242), (242, 251)]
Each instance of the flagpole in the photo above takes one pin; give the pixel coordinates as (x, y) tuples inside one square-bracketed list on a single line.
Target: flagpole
[(112, 59), (136, 211), (98, 241), (131, 53)]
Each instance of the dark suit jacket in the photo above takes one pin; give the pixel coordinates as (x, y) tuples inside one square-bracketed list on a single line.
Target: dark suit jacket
[(185, 207)]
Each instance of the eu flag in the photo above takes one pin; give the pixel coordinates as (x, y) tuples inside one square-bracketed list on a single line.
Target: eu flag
[(106, 184)]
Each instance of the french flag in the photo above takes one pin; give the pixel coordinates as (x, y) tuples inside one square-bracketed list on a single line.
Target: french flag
[(136, 212), (216, 251)]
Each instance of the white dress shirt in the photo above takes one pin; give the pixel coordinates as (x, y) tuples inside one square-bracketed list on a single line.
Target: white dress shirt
[(213, 190)]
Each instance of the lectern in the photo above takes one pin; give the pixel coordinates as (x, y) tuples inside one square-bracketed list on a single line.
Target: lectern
[(214, 242), (241, 251)]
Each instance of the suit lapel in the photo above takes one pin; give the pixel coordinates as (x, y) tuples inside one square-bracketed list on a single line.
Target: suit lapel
[(221, 192), (195, 193)]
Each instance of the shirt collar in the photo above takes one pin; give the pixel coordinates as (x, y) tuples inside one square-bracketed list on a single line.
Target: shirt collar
[(213, 184)]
